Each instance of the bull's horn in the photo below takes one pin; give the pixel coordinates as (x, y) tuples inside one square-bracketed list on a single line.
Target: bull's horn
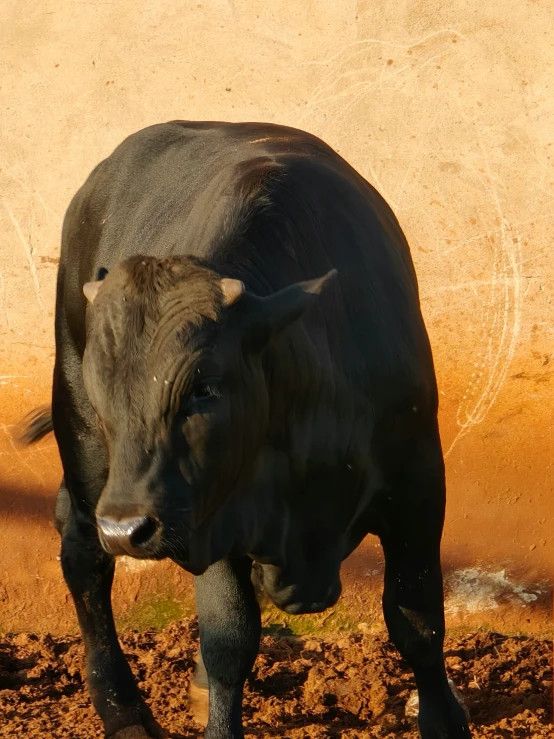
[(90, 290), (231, 290)]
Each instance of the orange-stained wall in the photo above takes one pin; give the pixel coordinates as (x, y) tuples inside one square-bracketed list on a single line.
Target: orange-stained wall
[(446, 108)]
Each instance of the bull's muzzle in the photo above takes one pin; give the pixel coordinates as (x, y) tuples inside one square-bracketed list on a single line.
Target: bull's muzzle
[(134, 537)]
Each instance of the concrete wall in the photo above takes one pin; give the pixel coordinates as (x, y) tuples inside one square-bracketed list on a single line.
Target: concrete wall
[(447, 108)]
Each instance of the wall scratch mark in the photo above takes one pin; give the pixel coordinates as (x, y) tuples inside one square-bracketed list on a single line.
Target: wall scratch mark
[(358, 72), (501, 322), (29, 253), (4, 303), (366, 41)]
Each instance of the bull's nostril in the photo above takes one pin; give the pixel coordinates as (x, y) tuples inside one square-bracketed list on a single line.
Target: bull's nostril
[(144, 532)]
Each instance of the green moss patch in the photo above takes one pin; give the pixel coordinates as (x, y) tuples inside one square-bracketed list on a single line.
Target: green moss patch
[(337, 620), (155, 613)]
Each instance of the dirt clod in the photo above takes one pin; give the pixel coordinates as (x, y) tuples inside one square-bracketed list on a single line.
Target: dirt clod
[(354, 687)]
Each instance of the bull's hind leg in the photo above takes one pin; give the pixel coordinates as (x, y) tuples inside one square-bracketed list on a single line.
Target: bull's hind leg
[(230, 627), (88, 571), (412, 520)]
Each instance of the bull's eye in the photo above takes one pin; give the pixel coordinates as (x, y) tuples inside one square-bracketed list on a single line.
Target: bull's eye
[(200, 399), (205, 392)]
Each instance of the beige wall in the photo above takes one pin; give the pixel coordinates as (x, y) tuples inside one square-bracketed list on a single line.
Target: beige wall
[(447, 108)]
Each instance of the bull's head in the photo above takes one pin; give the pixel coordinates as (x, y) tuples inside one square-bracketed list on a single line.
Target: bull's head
[(174, 371)]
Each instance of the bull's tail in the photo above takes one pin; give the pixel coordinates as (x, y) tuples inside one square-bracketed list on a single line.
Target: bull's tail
[(35, 426)]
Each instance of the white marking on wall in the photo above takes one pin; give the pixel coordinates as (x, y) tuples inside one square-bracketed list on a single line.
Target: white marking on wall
[(501, 321), (472, 590)]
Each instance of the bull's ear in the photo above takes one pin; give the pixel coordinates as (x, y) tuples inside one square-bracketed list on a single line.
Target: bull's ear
[(281, 309), (90, 289)]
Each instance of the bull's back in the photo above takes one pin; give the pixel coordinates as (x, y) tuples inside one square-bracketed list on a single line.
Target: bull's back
[(269, 205)]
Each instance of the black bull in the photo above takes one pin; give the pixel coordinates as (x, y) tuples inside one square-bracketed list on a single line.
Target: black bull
[(251, 382)]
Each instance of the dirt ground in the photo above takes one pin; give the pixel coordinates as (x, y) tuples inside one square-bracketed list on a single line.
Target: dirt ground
[(354, 686)]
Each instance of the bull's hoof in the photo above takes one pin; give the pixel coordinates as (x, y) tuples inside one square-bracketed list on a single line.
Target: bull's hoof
[(132, 732), (199, 703), (138, 732), (412, 704)]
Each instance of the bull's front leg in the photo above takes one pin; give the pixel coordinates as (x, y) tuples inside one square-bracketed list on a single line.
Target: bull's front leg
[(88, 571), (230, 627)]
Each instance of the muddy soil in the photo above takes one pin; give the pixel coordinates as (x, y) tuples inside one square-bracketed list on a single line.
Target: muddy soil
[(353, 686)]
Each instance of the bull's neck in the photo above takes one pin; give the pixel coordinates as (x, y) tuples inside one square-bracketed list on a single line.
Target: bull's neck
[(312, 409)]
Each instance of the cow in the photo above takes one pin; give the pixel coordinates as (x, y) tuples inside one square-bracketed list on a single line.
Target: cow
[(243, 379)]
